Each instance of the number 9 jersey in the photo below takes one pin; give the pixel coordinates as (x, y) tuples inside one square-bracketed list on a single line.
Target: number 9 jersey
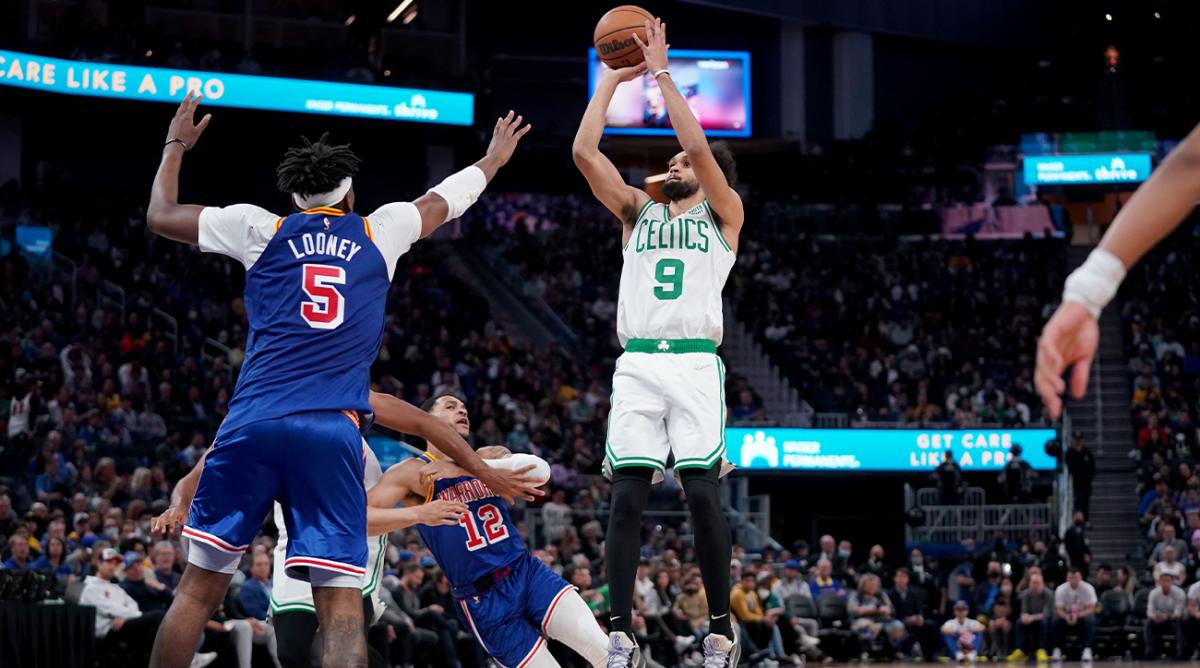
[(673, 273)]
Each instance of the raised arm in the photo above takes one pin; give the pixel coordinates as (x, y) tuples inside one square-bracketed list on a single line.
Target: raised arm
[(165, 216), (725, 202), (1071, 335), (453, 196), (400, 415), (602, 176)]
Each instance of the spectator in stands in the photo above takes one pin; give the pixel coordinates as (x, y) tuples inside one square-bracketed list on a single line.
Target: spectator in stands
[(1076, 544), (791, 584), (149, 594), (1191, 625), (1075, 609), (759, 624), (1081, 464), (1036, 621), (843, 568), (1103, 579), (874, 565), (1017, 477), (871, 616), (962, 634), (1168, 541), (117, 614), (692, 606), (986, 592), (961, 583), (54, 559), (254, 597), (164, 560), (824, 582), (909, 608), (949, 479), (556, 515), (1161, 492), (18, 553), (428, 617), (8, 518), (924, 579), (1164, 616), (1170, 567), (1000, 624), (1153, 438)]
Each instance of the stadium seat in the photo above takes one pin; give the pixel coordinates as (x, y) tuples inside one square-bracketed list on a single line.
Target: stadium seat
[(1113, 637), (837, 639)]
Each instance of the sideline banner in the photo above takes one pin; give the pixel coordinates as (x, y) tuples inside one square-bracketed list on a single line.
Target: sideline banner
[(156, 84)]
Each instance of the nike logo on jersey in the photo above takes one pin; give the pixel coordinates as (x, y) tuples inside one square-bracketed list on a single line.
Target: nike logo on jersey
[(324, 244)]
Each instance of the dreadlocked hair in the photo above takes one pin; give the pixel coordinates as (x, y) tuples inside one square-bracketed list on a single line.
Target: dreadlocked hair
[(316, 167)]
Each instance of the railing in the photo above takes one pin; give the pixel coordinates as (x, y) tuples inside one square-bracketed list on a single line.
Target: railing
[(931, 496), (111, 293), (1065, 491), (170, 327), (70, 272), (222, 350), (832, 420), (953, 524)]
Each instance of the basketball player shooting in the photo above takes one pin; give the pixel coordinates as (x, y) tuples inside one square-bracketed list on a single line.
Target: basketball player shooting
[(1070, 337), (316, 287), (668, 387)]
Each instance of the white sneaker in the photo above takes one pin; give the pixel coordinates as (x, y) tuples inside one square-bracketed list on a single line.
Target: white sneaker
[(808, 642), (623, 652), (1086, 657), (972, 657), (683, 642), (721, 652), (959, 656), (202, 660), (1056, 657)]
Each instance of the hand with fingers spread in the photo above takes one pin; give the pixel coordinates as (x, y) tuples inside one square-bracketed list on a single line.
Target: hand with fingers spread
[(170, 522), (1069, 339), (182, 127), (655, 47), (441, 513), (505, 137)]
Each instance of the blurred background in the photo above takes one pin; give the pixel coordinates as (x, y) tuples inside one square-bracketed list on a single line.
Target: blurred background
[(919, 176)]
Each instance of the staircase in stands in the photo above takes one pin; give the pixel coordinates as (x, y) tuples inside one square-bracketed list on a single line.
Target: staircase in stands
[(1103, 419)]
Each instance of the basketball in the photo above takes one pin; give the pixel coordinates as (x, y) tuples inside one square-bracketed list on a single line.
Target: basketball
[(614, 36)]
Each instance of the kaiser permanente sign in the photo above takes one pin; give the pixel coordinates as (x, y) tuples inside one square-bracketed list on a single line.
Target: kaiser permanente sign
[(883, 449), (1081, 169), (155, 84)]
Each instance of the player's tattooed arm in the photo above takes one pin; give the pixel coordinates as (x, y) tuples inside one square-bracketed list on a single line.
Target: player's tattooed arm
[(165, 216), (723, 199), (602, 176)]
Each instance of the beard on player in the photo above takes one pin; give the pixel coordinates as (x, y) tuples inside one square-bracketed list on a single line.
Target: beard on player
[(676, 189)]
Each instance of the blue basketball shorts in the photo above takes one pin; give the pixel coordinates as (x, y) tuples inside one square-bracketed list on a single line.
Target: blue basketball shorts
[(510, 619), (312, 463)]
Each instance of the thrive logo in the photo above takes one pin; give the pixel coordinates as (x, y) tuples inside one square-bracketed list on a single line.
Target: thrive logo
[(415, 108), (615, 46), (759, 446), (1116, 171)]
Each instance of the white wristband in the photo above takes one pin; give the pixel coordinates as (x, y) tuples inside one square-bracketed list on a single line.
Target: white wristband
[(662, 71), (1095, 282), (461, 189)]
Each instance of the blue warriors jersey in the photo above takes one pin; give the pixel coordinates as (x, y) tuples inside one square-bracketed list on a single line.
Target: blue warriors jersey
[(315, 303), (485, 540)]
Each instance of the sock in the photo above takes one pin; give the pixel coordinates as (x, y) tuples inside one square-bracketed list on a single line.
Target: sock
[(714, 544), (623, 542)]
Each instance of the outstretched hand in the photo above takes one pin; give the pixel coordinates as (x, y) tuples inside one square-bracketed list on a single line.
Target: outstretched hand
[(1068, 340), (655, 47), (505, 137), (182, 127), (623, 74), (169, 523)]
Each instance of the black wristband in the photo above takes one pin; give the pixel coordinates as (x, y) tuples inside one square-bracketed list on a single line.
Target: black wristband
[(181, 142)]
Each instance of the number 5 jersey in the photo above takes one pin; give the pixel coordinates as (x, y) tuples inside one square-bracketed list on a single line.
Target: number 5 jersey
[(316, 287)]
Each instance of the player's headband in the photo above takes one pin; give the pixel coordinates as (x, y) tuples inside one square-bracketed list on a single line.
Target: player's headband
[(323, 199)]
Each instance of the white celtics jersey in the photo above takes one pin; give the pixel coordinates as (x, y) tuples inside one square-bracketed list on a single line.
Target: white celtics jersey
[(673, 272), (292, 595)]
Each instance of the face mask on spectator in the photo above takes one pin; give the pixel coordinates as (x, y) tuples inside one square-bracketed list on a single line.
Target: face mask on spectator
[(844, 554)]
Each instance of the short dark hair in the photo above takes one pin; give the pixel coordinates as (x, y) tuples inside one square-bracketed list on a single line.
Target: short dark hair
[(902, 569), (316, 167), (724, 157), (429, 403), (1074, 569)]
